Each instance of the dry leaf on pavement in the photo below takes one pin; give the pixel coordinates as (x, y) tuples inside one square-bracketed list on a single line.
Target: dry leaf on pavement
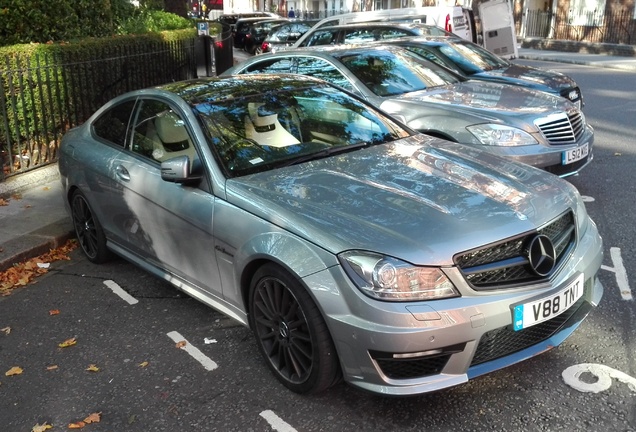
[(41, 427), (6, 330), (15, 370), (143, 364), (54, 312), (92, 368), (77, 425), (52, 367), (93, 418), (22, 274), (181, 344), (3, 202), (68, 343)]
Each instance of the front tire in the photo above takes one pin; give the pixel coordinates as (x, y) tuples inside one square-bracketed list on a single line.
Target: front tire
[(290, 332), (88, 230)]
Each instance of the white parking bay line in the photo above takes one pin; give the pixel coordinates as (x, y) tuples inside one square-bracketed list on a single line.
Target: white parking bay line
[(207, 363), (276, 422), (120, 292)]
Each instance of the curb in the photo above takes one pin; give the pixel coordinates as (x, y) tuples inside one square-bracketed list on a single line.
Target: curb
[(20, 182), (36, 243)]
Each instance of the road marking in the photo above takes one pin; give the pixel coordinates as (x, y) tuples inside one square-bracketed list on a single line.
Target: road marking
[(620, 272), (604, 375), (276, 422), (120, 292), (205, 361)]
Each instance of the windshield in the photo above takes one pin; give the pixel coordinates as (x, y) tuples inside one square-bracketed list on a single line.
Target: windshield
[(389, 73), (259, 132), (471, 58)]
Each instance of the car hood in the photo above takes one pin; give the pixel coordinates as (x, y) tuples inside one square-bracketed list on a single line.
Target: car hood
[(419, 199), (529, 76), (484, 99)]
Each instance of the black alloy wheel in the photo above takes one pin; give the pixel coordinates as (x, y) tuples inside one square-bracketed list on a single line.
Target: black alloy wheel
[(291, 334), (90, 234)]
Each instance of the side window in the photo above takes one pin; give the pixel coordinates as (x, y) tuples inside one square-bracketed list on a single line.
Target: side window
[(426, 54), (282, 65), (160, 133), (324, 70), (359, 36), (112, 125), (383, 34), (322, 37)]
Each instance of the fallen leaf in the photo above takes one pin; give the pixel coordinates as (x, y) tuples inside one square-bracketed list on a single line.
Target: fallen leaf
[(181, 344), (41, 427), (618, 154), (6, 330), (92, 368), (143, 364), (54, 312), (16, 196), (52, 367), (4, 202), (28, 206), (23, 273), (46, 188), (68, 343), (15, 370), (93, 418), (77, 425)]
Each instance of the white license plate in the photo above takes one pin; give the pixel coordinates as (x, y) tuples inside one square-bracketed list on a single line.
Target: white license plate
[(535, 312), (575, 154)]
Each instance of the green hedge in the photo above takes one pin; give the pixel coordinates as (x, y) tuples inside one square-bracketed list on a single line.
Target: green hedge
[(48, 88)]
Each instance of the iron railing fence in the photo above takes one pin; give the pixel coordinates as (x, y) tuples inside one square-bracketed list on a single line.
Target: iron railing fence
[(616, 27), (43, 95)]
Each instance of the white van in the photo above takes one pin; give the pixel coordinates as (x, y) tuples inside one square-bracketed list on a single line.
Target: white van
[(454, 19)]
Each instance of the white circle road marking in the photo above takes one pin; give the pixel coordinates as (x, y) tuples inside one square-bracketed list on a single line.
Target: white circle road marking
[(572, 377)]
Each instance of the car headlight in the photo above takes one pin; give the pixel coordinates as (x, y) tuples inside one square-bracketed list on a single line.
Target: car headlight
[(501, 135), (387, 278)]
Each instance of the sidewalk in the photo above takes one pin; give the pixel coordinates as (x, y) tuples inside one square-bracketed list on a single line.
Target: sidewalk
[(36, 221)]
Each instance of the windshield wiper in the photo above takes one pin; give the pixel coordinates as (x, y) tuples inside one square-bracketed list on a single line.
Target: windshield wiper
[(326, 153)]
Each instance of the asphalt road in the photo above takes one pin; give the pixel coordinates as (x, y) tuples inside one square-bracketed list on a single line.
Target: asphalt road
[(127, 323)]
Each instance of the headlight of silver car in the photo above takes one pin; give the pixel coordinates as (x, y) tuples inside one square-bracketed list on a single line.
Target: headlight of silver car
[(387, 278), (501, 135)]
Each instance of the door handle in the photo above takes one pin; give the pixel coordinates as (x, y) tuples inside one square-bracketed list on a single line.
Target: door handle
[(122, 173)]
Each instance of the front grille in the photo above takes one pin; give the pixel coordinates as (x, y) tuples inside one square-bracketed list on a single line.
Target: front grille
[(562, 128), (505, 341), (506, 264)]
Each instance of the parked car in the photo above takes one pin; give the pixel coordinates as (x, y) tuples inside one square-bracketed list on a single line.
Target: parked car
[(366, 32), (257, 33), (350, 245), (283, 36), (475, 62), (231, 18), (521, 124), (243, 27)]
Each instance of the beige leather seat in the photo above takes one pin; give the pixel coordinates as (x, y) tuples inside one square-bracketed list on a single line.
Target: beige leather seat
[(170, 138), (266, 129)]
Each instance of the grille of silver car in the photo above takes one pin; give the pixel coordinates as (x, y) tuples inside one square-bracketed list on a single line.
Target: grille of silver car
[(562, 128), (504, 341), (505, 264)]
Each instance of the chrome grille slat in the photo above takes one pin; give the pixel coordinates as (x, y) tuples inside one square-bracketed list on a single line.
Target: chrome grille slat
[(505, 264), (562, 128)]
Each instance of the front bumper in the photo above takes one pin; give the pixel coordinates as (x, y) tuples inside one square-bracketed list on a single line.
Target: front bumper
[(418, 347)]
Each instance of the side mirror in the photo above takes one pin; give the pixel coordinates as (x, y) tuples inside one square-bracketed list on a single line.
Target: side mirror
[(180, 170)]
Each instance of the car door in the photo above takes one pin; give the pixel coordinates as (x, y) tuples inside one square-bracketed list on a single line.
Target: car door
[(168, 225)]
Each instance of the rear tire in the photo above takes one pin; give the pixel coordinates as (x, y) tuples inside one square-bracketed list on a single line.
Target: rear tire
[(290, 332), (88, 230)]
